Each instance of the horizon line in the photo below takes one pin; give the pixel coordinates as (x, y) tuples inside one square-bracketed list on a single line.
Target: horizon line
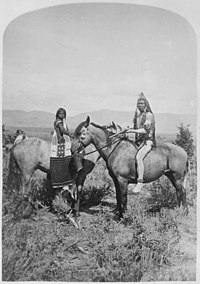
[(112, 110)]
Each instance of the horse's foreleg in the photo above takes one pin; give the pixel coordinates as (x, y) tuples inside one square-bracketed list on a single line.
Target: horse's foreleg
[(118, 195), (121, 186), (78, 199), (79, 186), (123, 183)]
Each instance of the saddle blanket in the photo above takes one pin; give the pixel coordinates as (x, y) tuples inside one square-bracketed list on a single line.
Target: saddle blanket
[(61, 171)]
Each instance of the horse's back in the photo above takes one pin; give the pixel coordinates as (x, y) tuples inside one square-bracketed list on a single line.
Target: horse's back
[(175, 149), (31, 145), (31, 152), (170, 155), (178, 158), (165, 157), (170, 149)]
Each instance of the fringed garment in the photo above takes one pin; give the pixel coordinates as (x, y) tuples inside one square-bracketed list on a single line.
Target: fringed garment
[(139, 122), (60, 159)]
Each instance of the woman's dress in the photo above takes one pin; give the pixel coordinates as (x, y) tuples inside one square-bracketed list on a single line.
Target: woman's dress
[(61, 167)]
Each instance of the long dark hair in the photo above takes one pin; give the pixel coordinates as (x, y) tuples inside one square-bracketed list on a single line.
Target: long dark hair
[(59, 110), (148, 108)]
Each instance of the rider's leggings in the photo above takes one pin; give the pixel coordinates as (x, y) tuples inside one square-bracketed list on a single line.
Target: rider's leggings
[(142, 152)]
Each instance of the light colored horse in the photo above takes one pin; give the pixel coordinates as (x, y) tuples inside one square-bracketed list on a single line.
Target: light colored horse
[(29, 155), (119, 154)]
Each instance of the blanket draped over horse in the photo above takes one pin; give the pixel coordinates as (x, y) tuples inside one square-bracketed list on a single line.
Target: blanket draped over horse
[(61, 163), (119, 154)]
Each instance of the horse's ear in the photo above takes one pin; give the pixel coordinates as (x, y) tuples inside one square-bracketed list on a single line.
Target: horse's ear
[(114, 125), (120, 128), (87, 121)]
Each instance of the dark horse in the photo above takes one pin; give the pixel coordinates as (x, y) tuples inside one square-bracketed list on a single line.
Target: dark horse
[(119, 154), (31, 154)]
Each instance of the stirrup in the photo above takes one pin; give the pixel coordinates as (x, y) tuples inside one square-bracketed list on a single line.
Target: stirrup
[(140, 180)]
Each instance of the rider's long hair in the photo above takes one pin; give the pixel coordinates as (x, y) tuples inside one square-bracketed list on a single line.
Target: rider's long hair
[(137, 112), (61, 110)]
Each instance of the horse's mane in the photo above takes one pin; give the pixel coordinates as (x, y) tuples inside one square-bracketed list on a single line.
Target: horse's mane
[(107, 133), (99, 126), (104, 128)]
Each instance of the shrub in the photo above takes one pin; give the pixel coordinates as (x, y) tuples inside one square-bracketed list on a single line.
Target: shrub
[(163, 195), (185, 139), (8, 137), (97, 185)]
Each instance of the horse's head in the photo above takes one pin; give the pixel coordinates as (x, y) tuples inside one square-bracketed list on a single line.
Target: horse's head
[(81, 137), (20, 136), (77, 146)]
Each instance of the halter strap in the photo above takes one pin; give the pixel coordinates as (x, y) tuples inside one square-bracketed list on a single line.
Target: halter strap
[(111, 143)]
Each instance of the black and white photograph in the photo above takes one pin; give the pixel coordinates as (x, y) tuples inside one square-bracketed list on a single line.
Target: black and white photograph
[(99, 141)]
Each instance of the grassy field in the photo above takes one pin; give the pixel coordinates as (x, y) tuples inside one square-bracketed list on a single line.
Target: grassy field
[(155, 241)]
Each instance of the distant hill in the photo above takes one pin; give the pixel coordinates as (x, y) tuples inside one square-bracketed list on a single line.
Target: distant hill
[(165, 122), (20, 118)]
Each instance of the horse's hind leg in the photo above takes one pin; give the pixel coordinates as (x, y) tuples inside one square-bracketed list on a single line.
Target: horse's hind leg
[(26, 184), (178, 182)]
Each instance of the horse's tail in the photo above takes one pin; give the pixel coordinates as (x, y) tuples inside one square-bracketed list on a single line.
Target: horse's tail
[(13, 171), (186, 171), (188, 166)]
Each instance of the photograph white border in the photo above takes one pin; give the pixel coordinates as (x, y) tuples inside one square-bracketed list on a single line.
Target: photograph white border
[(189, 10)]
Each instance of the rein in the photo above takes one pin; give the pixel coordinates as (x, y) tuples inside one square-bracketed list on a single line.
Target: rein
[(111, 143)]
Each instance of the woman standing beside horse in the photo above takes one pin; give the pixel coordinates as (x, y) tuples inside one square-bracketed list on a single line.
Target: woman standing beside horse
[(61, 165), (60, 125)]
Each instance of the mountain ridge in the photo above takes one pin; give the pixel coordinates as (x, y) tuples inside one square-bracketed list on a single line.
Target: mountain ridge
[(165, 122)]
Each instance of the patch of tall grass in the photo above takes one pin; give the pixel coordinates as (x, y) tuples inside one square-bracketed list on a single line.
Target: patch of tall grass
[(130, 250), (40, 246)]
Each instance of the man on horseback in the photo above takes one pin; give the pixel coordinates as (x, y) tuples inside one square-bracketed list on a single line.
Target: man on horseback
[(144, 129)]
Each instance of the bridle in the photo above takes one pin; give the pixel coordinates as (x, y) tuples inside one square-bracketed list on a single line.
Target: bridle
[(81, 146)]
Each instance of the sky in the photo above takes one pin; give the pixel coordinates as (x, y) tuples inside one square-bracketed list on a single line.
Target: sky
[(87, 57)]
